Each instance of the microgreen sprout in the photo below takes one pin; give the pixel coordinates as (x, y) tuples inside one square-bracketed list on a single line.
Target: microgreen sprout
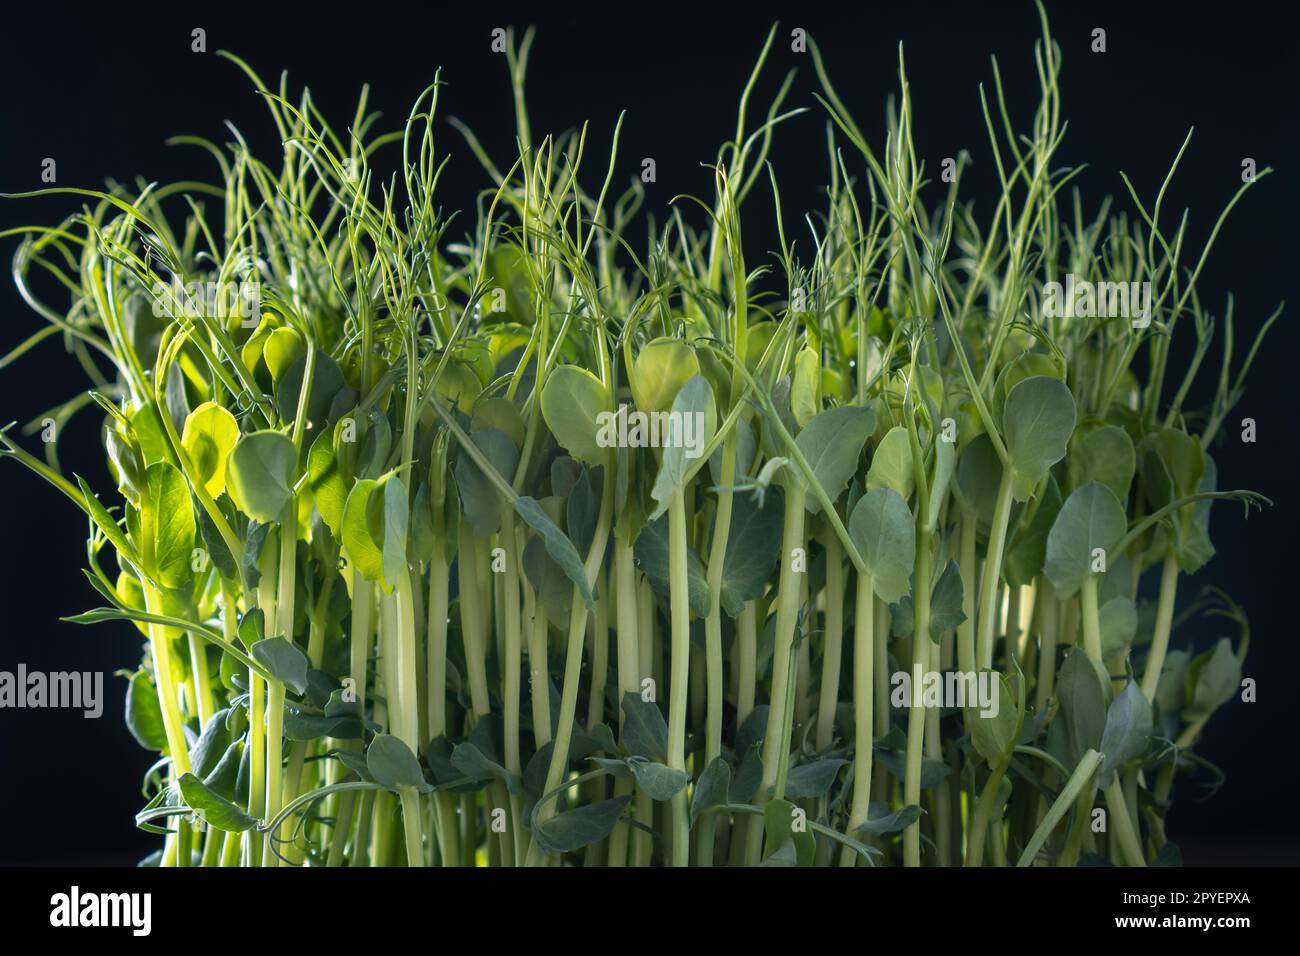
[(402, 604)]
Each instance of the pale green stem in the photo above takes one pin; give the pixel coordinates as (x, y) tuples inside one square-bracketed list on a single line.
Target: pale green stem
[(1163, 626), (787, 611), (405, 686), (1122, 824), (679, 668), (747, 680), (863, 712), (625, 610), (979, 827), (832, 642), (989, 586), (513, 662), (1091, 618), (1049, 629), (1069, 795), (969, 562), (921, 647), (538, 674), (713, 664)]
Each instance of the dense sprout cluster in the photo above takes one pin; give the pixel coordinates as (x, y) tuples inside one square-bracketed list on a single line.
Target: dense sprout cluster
[(540, 544)]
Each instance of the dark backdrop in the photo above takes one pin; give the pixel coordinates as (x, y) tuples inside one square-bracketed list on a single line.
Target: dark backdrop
[(100, 89)]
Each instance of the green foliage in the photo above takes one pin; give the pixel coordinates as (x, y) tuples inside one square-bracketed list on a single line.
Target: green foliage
[(352, 529)]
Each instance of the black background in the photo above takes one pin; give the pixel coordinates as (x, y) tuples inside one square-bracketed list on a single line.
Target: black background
[(99, 90)]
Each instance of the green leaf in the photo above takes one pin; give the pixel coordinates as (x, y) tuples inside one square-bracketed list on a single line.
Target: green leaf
[(299, 725), (945, 606), (423, 537), (284, 660), (645, 732), (211, 745), (1173, 463), (891, 465), (882, 823), (805, 386), (254, 541), (326, 381), (259, 475), (371, 459), (661, 782), (748, 775), (325, 481), (812, 779), (1194, 545), (355, 761), (614, 766), (651, 553), (501, 414), (946, 601), (1082, 691), (1037, 423), (558, 546), (216, 545), (363, 550), (753, 549), (696, 416), (149, 433), (1025, 559), (1091, 518), (224, 778), (396, 519), (712, 788), (554, 589), (882, 529), (933, 771), (479, 497), (393, 765), (1104, 454), (167, 527), (1171, 690), (1213, 679), (209, 434), (105, 522), (213, 808), (1118, 618), (944, 463), (572, 402), (661, 368), (779, 823), (785, 855), (979, 472), (753, 730), (746, 448), (1128, 731), (252, 626), (127, 462), (994, 736), (832, 443), (144, 715), (478, 758), (582, 512), (281, 348), (476, 765), (575, 829), (770, 442)]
